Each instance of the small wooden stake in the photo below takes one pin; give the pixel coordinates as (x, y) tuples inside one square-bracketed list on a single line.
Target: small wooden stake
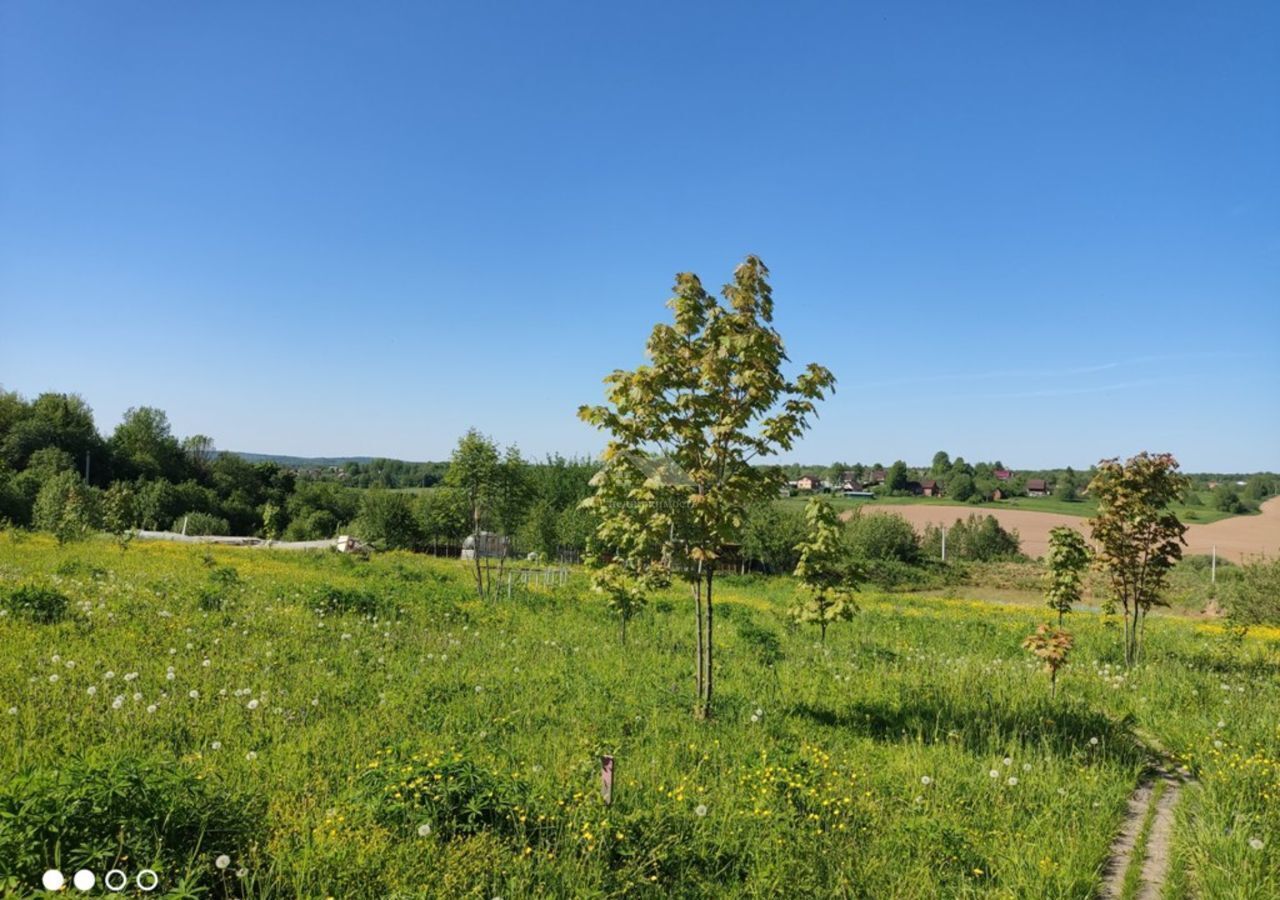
[(606, 779)]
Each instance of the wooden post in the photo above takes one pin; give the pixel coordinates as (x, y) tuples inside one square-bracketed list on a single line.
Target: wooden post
[(606, 779)]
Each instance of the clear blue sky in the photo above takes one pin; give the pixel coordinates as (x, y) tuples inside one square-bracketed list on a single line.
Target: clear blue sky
[(1046, 233)]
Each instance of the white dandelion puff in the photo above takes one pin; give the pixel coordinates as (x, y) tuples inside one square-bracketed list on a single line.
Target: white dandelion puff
[(222, 861), (700, 810)]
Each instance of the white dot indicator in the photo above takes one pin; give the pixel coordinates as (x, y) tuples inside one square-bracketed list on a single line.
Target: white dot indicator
[(52, 880), (151, 879), (84, 880), (115, 880)]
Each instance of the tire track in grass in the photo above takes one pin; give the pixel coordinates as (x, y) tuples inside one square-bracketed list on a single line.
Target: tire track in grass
[(1121, 856), (1145, 837), (1155, 868)]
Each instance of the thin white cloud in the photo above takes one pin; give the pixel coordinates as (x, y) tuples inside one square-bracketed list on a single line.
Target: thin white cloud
[(1049, 373)]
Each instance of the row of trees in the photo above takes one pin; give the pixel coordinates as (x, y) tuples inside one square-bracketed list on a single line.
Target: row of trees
[(57, 473)]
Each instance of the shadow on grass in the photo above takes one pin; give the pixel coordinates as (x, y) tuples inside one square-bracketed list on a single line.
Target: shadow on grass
[(1224, 660), (982, 726)]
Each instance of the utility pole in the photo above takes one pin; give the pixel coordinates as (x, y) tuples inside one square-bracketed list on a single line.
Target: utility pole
[(86, 467), (1213, 567), (944, 543)]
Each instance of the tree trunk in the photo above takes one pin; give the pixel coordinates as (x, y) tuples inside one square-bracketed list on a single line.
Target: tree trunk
[(475, 550), (709, 679), (697, 601), (1128, 639)]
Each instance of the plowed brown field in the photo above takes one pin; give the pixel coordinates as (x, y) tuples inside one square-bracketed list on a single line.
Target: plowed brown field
[(1236, 538)]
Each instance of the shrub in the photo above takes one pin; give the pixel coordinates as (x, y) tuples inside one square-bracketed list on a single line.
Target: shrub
[(199, 523), (36, 604), (978, 538), (388, 521), (67, 507), (883, 536), (1252, 596), (94, 812)]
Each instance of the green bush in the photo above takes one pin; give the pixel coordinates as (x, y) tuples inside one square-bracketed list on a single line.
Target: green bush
[(1252, 593), (199, 523), (388, 521), (122, 810), (977, 538), (883, 536), (36, 604)]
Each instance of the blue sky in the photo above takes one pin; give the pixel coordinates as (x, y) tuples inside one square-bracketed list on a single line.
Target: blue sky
[(1041, 233)]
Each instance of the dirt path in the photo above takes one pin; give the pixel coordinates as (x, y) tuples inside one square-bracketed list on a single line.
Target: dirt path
[(1236, 538), (1156, 866), (1155, 861), (1121, 856)]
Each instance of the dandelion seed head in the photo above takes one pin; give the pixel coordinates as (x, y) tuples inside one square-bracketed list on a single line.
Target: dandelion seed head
[(222, 861)]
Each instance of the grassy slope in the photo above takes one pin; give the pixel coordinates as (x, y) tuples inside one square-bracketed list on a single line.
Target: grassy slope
[(822, 795)]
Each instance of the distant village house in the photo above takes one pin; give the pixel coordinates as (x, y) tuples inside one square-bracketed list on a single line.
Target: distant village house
[(808, 483)]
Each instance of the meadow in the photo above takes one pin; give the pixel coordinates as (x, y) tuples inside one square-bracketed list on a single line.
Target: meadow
[(258, 724)]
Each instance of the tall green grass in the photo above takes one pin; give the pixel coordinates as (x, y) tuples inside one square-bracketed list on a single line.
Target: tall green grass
[(404, 739)]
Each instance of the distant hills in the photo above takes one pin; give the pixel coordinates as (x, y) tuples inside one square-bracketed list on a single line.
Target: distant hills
[(307, 462)]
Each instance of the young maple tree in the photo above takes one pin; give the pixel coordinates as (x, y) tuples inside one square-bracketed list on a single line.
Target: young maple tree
[(1068, 559), (1053, 646), (1138, 539), (677, 474), (827, 576)]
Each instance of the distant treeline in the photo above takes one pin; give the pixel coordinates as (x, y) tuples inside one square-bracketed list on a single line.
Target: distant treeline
[(979, 481), (58, 473)]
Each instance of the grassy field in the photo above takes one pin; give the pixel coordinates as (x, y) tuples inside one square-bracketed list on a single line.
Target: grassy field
[(326, 726), (1201, 515)]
